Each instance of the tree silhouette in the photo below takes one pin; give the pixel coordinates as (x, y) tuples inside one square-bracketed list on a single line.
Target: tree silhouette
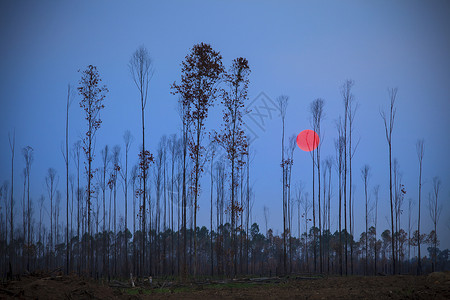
[(128, 139), (317, 113), (12, 145), (347, 96), (141, 68), (389, 127), (365, 173), (435, 212), (376, 190), (29, 157), (198, 89), (282, 105), (69, 100), (419, 149), (232, 137), (340, 145), (93, 96)]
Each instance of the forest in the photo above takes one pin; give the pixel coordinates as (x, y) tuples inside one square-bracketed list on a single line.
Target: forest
[(81, 225)]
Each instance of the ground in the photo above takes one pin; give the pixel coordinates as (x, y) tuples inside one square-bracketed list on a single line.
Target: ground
[(40, 286)]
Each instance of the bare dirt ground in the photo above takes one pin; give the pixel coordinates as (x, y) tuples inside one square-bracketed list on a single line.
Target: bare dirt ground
[(432, 286)]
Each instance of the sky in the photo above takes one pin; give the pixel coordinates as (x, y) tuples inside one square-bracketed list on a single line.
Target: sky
[(302, 49)]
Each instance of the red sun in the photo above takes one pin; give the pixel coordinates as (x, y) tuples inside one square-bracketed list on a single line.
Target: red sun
[(307, 140)]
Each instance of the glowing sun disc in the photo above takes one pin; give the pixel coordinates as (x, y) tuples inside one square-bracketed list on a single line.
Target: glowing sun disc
[(308, 140)]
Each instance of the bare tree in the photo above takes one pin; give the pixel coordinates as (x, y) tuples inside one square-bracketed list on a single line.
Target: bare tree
[(298, 199), (289, 163), (317, 117), (220, 197), (134, 177), (141, 68), (93, 96), (72, 188), (12, 145), (213, 153), (76, 153), (164, 190), (282, 105), (306, 204), (116, 170), (159, 177), (128, 139), (56, 216), (249, 205), (389, 127), (51, 189), (105, 161), (376, 190), (435, 213), (419, 150), (4, 232), (340, 145), (328, 165), (347, 96), (29, 157), (410, 205), (41, 206), (184, 112), (173, 147), (351, 118), (365, 172), (24, 212), (399, 192), (70, 94), (178, 150)]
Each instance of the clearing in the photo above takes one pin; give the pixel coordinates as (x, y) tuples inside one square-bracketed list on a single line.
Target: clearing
[(37, 286)]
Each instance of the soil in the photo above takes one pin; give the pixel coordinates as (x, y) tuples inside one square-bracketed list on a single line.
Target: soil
[(38, 286)]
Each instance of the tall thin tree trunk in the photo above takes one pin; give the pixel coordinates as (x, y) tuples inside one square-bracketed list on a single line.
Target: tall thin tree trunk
[(28, 218), (184, 200), (211, 217), (115, 231), (419, 148), (144, 212), (248, 205), (67, 179), (318, 201), (329, 210), (11, 220), (350, 150), (314, 214), (233, 218), (165, 214), (127, 144), (345, 192), (392, 209), (78, 206), (173, 145)]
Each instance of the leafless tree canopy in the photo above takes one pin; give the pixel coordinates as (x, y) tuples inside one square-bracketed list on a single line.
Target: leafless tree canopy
[(141, 69)]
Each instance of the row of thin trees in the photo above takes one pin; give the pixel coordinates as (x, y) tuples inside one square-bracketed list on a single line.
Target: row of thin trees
[(165, 188), (342, 162)]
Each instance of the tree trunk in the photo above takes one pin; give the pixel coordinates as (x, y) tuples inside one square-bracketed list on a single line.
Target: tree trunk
[(211, 217), (67, 180), (420, 155), (11, 241)]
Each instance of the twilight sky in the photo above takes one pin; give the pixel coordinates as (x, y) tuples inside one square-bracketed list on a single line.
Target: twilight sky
[(298, 48)]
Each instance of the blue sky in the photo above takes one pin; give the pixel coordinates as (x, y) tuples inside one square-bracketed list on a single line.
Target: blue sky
[(299, 48)]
